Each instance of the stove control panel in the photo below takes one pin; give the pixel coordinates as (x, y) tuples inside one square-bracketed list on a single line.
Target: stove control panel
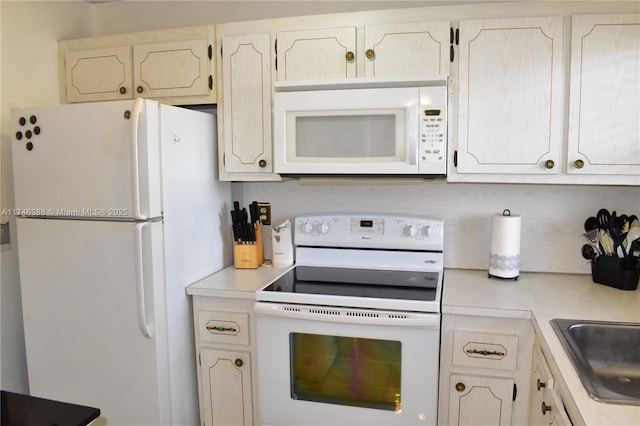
[(370, 231)]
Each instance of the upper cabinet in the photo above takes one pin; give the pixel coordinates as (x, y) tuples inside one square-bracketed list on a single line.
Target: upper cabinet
[(390, 50), (245, 111), (510, 96), (604, 109), (518, 121), (175, 65), (316, 54), (397, 50), (99, 74)]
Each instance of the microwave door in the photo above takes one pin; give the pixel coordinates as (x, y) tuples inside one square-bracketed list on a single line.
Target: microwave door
[(362, 141)]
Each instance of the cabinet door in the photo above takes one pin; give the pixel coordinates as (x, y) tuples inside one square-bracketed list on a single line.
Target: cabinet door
[(407, 49), (555, 412), (226, 387), (246, 94), (98, 74), (179, 68), (477, 400), (510, 96), (541, 380), (316, 54), (604, 129)]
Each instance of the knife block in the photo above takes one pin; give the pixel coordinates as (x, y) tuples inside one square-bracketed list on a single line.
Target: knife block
[(249, 256)]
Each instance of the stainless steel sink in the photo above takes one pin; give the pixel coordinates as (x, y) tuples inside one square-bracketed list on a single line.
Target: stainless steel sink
[(606, 356)]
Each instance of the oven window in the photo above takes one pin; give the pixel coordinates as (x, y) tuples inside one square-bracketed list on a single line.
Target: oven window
[(346, 370)]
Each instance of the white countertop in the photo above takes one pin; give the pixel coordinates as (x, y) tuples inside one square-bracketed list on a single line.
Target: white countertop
[(544, 297), (236, 283), (536, 296)]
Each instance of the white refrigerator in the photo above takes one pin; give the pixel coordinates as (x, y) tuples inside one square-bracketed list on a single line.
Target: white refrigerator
[(119, 209)]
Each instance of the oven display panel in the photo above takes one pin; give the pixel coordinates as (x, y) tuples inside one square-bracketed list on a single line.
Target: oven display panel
[(366, 226), (383, 284)]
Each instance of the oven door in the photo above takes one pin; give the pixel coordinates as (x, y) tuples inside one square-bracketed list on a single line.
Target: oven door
[(324, 365)]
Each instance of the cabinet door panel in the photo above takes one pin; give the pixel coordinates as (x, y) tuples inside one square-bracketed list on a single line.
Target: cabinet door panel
[(316, 54), (407, 49), (510, 103), (476, 400), (604, 129), (246, 86), (178, 68), (541, 380), (226, 386), (98, 74)]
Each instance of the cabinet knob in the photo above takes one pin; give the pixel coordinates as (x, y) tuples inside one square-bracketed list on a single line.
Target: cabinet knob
[(549, 164), (545, 408), (139, 89), (460, 387), (349, 56), (262, 163), (239, 363), (578, 164), (122, 90), (541, 384), (370, 53)]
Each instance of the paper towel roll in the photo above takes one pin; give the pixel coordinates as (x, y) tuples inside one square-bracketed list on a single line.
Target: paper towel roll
[(504, 252)]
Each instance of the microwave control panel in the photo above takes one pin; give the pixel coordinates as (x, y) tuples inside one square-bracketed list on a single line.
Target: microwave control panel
[(432, 135)]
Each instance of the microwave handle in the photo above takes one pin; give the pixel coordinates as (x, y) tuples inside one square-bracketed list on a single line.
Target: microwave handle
[(413, 140)]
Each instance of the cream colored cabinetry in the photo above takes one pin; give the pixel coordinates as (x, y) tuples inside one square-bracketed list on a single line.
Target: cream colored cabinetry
[(316, 54), (484, 370), (480, 400), (408, 49), (225, 353), (390, 50), (174, 65), (545, 406), (244, 113), (510, 96), (99, 74), (604, 109)]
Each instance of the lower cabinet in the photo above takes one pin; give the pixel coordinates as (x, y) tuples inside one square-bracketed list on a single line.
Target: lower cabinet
[(226, 387), (545, 406), (485, 367), (225, 351), (477, 400)]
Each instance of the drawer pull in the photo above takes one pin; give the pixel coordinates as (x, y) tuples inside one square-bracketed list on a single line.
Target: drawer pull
[(541, 384), (545, 408), (220, 328), (484, 352)]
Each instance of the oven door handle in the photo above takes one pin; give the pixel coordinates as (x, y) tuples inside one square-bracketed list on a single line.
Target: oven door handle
[(347, 315)]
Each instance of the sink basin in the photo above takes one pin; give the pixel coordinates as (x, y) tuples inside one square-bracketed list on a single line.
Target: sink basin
[(606, 356)]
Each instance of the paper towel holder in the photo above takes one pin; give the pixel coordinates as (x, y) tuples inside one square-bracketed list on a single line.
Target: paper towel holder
[(504, 266)]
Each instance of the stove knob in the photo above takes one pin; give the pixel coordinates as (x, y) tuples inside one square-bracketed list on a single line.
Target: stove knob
[(307, 228), (324, 228), (412, 230), (425, 231)]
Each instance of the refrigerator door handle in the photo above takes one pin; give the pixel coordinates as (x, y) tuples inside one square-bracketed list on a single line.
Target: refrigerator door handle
[(135, 172), (145, 328)]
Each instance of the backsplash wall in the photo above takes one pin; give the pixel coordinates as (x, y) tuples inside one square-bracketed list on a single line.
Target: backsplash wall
[(552, 216)]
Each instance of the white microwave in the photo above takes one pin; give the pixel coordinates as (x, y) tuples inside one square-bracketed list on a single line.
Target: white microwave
[(364, 128)]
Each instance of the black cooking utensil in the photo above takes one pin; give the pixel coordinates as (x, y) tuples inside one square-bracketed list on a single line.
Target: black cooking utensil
[(603, 217), (588, 252), (590, 224)]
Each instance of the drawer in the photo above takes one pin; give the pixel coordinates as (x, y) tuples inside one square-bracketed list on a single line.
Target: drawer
[(485, 350), (223, 327)]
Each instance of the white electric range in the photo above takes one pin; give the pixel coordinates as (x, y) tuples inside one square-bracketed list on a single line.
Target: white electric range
[(351, 334)]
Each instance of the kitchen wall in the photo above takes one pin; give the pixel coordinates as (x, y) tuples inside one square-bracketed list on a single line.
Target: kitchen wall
[(28, 32), (552, 215)]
